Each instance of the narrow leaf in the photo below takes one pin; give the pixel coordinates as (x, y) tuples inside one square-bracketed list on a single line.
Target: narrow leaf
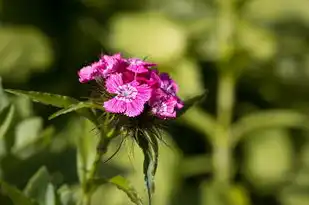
[(144, 141), (6, 118), (54, 100), (3, 98), (124, 185), (191, 102), (38, 185), (51, 197), (75, 107), (268, 119), (15, 195), (45, 98)]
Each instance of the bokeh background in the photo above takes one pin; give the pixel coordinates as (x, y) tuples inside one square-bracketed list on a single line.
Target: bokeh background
[(252, 56)]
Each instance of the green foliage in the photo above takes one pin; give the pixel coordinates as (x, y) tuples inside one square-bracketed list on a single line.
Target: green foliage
[(45, 98), (6, 117), (17, 196), (124, 185), (38, 186), (250, 55), (57, 101)]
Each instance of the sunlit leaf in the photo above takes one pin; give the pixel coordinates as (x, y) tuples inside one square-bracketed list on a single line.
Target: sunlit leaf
[(27, 133), (124, 185), (166, 42), (54, 100), (51, 197), (45, 98), (15, 195), (23, 49), (37, 186), (75, 107), (268, 119), (86, 150), (6, 117), (268, 158), (66, 195)]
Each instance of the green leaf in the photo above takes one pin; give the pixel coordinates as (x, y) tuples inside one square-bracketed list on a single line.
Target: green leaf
[(27, 133), (86, 150), (75, 107), (149, 145), (37, 186), (268, 158), (51, 197), (191, 102), (268, 119), (24, 49), (45, 98), (66, 195), (3, 98), (15, 195), (124, 185), (6, 117), (54, 100)]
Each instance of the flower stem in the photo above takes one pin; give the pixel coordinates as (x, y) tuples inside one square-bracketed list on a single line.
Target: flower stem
[(222, 148), (225, 99), (101, 150)]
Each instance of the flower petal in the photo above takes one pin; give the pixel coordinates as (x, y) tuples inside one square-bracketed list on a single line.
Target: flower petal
[(134, 108), (113, 82), (89, 72), (114, 63), (114, 106), (165, 109), (139, 66)]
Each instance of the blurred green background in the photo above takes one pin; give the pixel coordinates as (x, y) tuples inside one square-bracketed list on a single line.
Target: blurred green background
[(251, 55)]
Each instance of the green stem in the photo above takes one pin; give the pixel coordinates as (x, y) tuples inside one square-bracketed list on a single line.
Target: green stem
[(101, 150), (225, 99), (222, 148)]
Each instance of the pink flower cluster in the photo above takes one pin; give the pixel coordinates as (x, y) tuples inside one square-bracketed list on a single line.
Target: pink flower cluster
[(135, 86)]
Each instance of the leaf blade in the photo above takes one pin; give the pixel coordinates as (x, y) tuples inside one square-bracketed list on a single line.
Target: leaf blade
[(15, 195), (54, 100), (75, 107), (122, 184), (37, 186), (45, 98), (7, 120)]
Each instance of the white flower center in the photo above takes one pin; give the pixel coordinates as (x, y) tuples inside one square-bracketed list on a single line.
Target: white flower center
[(126, 93)]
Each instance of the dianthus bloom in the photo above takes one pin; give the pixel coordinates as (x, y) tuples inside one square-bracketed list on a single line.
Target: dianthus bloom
[(134, 86)]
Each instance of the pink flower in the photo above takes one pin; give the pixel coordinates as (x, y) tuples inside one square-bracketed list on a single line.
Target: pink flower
[(166, 88), (164, 109), (130, 97), (112, 64), (137, 65), (103, 68), (89, 72)]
